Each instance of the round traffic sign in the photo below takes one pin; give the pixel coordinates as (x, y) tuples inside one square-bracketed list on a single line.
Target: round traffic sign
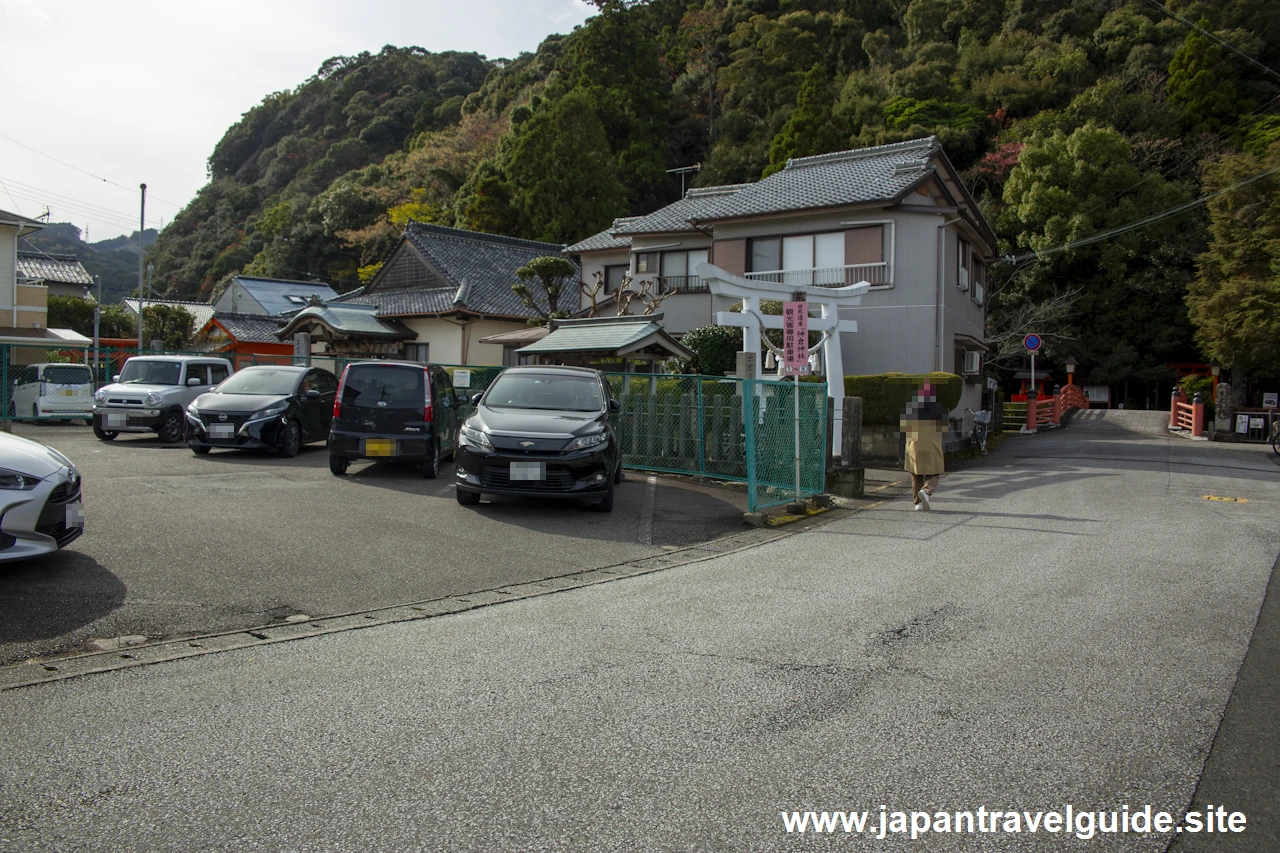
[(1031, 342)]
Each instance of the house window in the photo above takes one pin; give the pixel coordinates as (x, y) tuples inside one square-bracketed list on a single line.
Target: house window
[(678, 271), (800, 259), (417, 352), (964, 271), (613, 276), (979, 288), (647, 263)]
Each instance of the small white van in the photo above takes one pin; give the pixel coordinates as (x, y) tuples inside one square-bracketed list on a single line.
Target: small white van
[(52, 390)]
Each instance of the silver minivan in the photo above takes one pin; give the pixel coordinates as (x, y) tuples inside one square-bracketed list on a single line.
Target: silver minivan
[(52, 390)]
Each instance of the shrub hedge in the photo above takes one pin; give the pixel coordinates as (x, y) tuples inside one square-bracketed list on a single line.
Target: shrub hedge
[(885, 395)]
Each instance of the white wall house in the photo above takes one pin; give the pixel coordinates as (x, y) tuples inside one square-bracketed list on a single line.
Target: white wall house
[(897, 216)]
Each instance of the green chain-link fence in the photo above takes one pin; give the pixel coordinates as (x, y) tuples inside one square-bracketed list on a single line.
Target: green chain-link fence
[(771, 440)]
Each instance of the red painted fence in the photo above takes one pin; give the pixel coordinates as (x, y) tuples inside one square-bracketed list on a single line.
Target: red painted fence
[(1050, 410), (1184, 415)]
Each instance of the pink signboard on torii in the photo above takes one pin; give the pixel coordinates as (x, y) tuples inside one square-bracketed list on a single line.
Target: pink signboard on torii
[(795, 338)]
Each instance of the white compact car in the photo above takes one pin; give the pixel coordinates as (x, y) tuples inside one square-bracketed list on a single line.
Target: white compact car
[(40, 505), (52, 390)]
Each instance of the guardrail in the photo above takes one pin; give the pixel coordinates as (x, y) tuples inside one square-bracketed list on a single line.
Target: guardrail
[(1184, 415), (1048, 413)]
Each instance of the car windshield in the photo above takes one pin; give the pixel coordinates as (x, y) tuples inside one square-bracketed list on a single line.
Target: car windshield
[(143, 372), (515, 390), (264, 380), (368, 385), (68, 375)]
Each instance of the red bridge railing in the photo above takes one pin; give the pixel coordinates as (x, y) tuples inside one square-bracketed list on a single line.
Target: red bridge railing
[(1050, 410), (1184, 415)]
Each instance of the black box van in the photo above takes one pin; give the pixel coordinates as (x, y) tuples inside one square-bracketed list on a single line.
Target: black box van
[(395, 410)]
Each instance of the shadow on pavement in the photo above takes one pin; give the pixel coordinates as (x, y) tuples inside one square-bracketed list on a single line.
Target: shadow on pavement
[(53, 595)]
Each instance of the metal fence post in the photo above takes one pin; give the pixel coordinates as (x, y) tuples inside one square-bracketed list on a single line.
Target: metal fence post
[(702, 433), (749, 440)]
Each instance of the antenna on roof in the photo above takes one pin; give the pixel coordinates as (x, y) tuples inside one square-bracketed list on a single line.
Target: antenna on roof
[(684, 170)]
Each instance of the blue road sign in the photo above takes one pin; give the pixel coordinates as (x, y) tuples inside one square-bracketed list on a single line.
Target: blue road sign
[(1031, 342)]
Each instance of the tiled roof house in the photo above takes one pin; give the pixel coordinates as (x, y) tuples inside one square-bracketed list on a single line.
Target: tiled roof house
[(251, 295), (450, 288), (897, 216), (62, 274)]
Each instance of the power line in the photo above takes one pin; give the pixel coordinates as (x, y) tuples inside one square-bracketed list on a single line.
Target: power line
[(1140, 223), (1209, 35), (82, 171), (30, 190)]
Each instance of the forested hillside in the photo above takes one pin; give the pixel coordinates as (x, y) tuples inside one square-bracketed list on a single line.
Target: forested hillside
[(1069, 118)]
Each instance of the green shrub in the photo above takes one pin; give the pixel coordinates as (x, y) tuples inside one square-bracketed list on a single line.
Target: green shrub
[(1189, 385), (885, 396)]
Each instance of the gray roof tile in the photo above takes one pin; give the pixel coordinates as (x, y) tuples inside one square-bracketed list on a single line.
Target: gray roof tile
[(273, 293), (881, 173), (361, 320), (482, 267), (602, 241), (250, 328), (201, 311), (675, 216), (52, 267)]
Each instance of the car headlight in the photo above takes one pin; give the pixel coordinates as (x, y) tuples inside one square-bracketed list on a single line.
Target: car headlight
[(583, 442), (15, 480), (152, 399), (100, 397), (475, 438), (271, 411)]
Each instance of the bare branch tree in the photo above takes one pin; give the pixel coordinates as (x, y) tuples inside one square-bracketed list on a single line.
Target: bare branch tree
[(624, 295), (592, 292), (649, 297), (1049, 318)]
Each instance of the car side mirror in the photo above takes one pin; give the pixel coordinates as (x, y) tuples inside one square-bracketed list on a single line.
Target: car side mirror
[(193, 381), (312, 393), (475, 399), (115, 378), (614, 405)]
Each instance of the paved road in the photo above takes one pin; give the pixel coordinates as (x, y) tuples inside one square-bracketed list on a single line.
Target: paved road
[(1065, 629), (177, 544)]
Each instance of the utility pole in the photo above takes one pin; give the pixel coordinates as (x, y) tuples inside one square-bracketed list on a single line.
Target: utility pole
[(97, 319), (142, 227)]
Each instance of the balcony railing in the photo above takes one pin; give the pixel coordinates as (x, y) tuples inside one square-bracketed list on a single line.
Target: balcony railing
[(877, 273), (683, 284)]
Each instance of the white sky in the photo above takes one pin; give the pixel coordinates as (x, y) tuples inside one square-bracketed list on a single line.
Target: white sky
[(140, 91)]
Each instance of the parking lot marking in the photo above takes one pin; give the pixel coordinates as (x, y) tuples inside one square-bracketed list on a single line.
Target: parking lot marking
[(30, 673), (644, 530)]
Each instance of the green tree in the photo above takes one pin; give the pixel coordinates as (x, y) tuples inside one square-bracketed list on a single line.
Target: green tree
[(545, 287), (72, 312), (714, 349), (1202, 85), (1235, 297), (811, 129), (566, 183), (1129, 320), (172, 325)]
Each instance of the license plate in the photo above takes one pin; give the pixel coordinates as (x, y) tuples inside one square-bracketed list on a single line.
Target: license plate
[(116, 420), (379, 447), (528, 471), (221, 430), (75, 514), (68, 392)]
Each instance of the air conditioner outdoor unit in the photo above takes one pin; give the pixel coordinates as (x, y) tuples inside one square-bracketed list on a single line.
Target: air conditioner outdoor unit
[(972, 362), (963, 280)]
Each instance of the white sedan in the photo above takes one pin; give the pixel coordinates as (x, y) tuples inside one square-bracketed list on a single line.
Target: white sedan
[(40, 505)]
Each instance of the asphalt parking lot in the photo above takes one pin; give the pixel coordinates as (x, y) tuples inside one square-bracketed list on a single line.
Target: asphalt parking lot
[(177, 544)]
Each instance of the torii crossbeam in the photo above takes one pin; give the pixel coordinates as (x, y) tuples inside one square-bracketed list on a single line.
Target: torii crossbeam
[(829, 300)]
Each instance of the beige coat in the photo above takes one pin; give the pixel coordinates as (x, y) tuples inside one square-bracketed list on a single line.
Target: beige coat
[(924, 446)]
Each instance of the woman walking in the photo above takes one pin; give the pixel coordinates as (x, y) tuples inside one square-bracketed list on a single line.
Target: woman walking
[(924, 423)]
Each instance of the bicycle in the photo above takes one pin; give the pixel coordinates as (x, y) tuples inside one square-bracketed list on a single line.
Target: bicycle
[(978, 437), (1275, 436)]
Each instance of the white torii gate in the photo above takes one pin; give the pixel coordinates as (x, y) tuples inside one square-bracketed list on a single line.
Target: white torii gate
[(829, 299)]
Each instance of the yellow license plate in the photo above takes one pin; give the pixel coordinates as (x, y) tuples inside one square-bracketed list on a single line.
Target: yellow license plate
[(379, 447), (68, 392)]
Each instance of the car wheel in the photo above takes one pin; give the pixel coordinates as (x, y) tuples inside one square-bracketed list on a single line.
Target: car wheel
[(102, 434), (431, 465), (604, 504), (338, 465), (200, 451), (173, 428), (467, 498), (290, 440), (35, 412)]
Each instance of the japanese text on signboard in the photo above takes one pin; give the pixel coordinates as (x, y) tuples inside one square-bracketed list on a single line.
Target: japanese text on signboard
[(795, 338)]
